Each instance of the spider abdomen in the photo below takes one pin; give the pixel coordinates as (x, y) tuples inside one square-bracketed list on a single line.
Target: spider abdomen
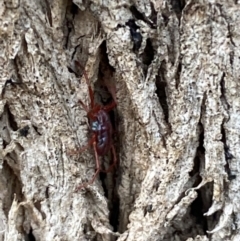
[(102, 128)]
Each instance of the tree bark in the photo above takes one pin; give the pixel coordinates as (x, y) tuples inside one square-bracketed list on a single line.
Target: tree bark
[(172, 68)]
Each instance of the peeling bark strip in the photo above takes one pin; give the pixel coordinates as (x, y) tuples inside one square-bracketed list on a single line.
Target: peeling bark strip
[(172, 67)]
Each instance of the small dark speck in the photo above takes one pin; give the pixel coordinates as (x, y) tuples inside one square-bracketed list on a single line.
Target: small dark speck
[(148, 209), (231, 176), (30, 236), (47, 192), (74, 9), (36, 129), (135, 34), (228, 154), (137, 39), (70, 70), (8, 82), (24, 131)]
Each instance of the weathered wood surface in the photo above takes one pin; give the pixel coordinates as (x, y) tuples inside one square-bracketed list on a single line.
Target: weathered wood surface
[(177, 119)]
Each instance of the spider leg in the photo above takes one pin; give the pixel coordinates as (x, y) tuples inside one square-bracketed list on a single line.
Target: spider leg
[(114, 160), (78, 151), (110, 106), (84, 106), (98, 169), (91, 95)]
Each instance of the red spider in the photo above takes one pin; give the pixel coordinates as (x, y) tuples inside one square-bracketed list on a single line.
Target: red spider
[(101, 128)]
